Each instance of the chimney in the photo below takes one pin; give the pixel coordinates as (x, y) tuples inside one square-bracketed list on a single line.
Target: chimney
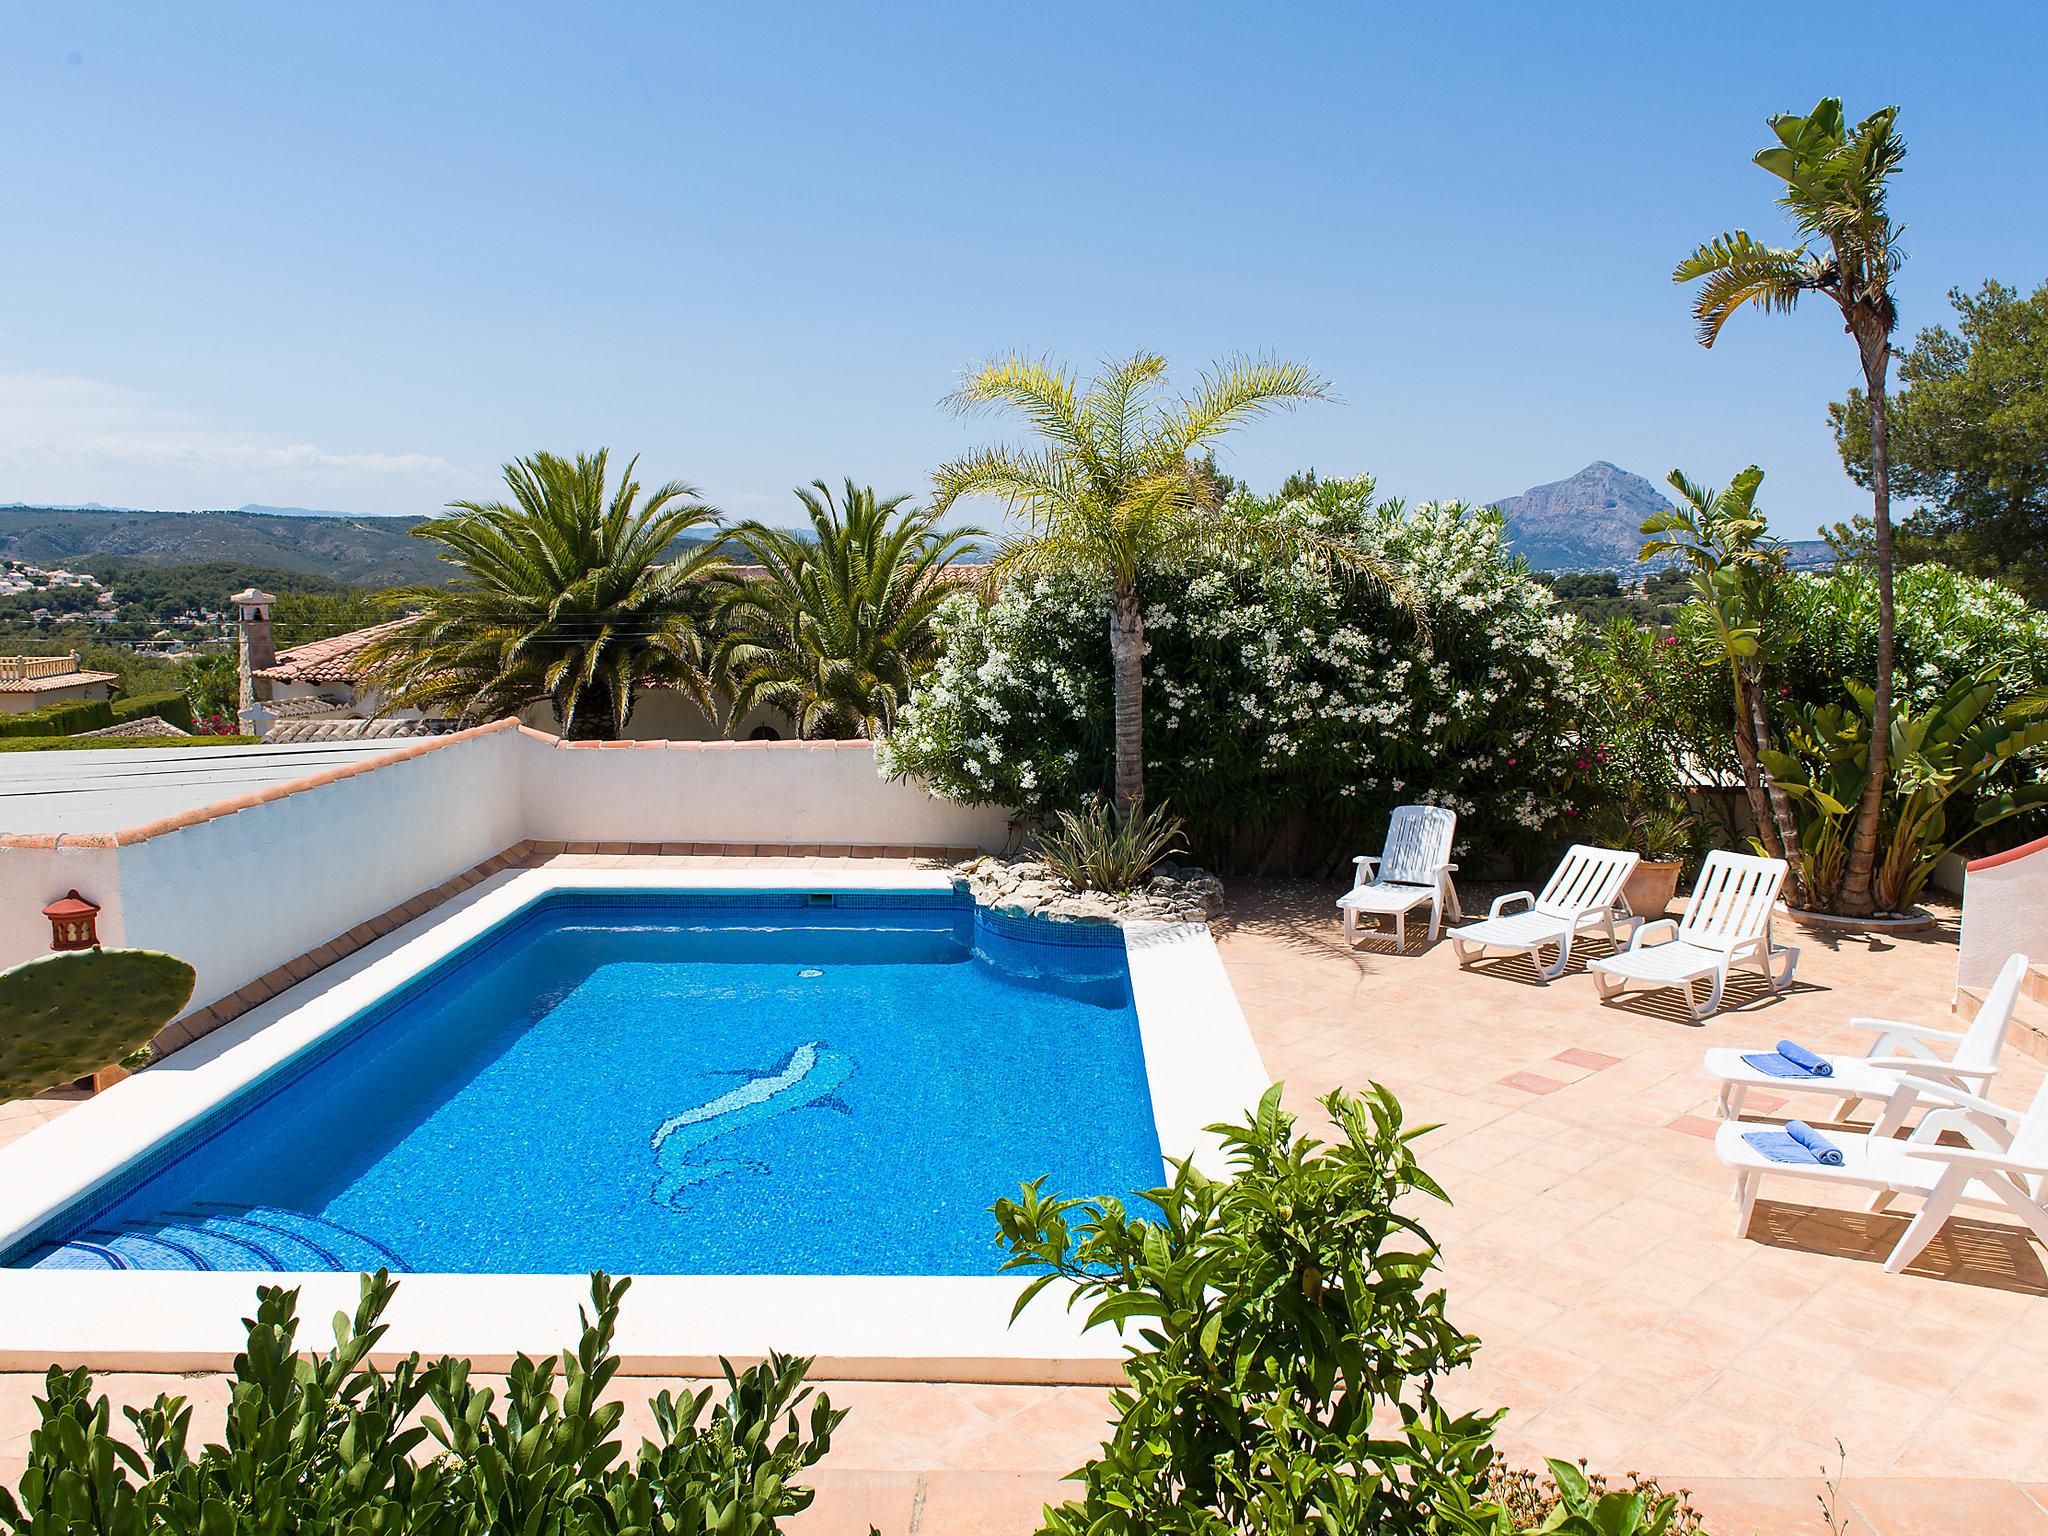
[(255, 652)]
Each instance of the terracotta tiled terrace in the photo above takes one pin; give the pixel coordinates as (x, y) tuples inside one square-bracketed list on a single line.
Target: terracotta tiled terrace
[(1590, 1247)]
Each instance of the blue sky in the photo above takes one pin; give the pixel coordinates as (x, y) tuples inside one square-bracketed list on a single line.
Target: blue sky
[(356, 255)]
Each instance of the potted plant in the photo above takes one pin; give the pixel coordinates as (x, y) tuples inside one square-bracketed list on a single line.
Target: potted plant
[(1664, 838)]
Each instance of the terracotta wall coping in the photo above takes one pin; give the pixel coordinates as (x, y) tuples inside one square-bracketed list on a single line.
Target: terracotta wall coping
[(717, 745), (1993, 860), (411, 749)]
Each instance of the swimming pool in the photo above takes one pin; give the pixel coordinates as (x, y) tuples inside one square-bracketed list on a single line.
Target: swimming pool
[(707, 1083)]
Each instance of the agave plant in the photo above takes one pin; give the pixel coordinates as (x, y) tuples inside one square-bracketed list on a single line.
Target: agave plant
[(566, 594), (1944, 764), (1105, 848), (838, 624)]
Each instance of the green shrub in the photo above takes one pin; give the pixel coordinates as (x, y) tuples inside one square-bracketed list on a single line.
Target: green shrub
[(1950, 626), (117, 743), (77, 715), (1290, 1338), (1575, 1502), (329, 1443), (172, 708), (66, 719), (1286, 706), (1946, 758)]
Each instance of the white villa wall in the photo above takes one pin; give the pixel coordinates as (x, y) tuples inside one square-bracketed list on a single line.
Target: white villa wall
[(265, 881), (740, 792), (239, 894), (2005, 912), (31, 878)]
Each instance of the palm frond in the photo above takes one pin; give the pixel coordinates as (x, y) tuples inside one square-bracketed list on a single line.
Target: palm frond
[(1734, 270)]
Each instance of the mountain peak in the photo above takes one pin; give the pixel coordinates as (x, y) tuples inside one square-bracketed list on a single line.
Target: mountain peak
[(1592, 520)]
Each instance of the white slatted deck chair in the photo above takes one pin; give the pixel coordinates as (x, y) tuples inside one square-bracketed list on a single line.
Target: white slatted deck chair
[(1898, 1059), (1727, 923), (1582, 896), (2004, 1164), (1413, 870)]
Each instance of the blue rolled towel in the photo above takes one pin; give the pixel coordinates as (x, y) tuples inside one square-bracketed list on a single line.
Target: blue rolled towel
[(1800, 1056), (1823, 1150)]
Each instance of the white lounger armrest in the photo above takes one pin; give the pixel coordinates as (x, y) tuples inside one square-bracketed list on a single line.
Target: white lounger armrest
[(1883, 1027), (1368, 862), (1957, 1105), (1922, 1066), (1664, 925), (1526, 898), (1991, 1161)]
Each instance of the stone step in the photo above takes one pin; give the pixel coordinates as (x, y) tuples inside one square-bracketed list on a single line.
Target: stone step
[(2029, 1033), (2035, 983)]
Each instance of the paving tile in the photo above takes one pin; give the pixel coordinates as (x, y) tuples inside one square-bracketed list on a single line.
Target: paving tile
[(1531, 1082), (1945, 1507), (853, 1503), (1592, 1061)]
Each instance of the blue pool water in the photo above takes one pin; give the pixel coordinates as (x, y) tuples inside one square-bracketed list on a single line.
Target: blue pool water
[(641, 1085)]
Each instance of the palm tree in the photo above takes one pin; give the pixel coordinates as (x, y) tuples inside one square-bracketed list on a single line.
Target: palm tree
[(564, 595), (1724, 541), (839, 623), (1117, 483), (1836, 183)]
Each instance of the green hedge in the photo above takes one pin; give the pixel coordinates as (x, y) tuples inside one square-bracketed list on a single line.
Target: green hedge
[(59, 719), (80, 715), (172, 708), (98, 743)]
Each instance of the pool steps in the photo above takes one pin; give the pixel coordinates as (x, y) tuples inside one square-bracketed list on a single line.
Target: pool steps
[(209, 1235)]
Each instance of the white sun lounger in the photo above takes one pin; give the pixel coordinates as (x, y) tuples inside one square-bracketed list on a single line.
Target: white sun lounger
[(1582, 896), (2005, 1164), (1896, 1060), (1413, 870), (1727, 923)]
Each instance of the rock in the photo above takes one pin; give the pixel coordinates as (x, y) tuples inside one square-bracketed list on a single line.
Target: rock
[(1174, 893)]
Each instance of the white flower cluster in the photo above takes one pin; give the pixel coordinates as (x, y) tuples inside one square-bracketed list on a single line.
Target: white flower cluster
[(1275, 687)]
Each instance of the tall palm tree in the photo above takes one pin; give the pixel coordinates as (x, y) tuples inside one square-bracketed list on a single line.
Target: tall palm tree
[(564, 595), (1836, 183), (1726, 545), (1116, 483), (839, 623)]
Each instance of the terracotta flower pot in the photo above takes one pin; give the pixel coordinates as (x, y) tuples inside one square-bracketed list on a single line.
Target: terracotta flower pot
[(1650, 887)]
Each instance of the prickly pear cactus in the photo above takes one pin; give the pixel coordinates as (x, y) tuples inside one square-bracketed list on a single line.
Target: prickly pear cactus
[(65, 1015)]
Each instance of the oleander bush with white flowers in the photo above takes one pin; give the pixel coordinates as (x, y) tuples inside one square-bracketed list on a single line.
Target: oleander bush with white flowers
[(1950, 626), (1287, 706)]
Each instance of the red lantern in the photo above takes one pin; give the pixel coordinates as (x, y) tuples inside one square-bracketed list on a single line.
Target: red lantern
[(73, 923)]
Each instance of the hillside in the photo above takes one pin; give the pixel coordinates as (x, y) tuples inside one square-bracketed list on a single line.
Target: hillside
[(1592, 521), (374, 551)]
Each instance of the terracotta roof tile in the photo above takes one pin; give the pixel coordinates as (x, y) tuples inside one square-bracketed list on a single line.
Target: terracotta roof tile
[(332, 660)]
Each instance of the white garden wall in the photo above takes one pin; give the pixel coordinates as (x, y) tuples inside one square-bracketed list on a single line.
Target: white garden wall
[(2005, 912), (782, 792), (246, 886), (240, 894)]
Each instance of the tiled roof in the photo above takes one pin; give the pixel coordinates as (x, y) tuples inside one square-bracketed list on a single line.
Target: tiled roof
[(290, 732), (148, 725), (59, 680), (332, 660)]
